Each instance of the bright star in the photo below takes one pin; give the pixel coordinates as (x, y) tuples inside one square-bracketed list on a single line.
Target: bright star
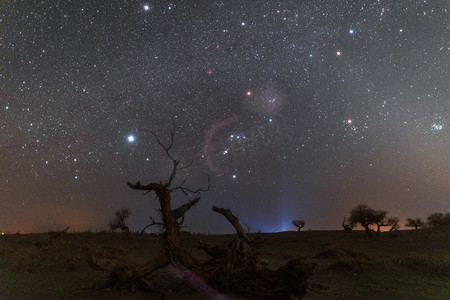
[(351, 31), (146, 7), (338, 53), (130, 138)]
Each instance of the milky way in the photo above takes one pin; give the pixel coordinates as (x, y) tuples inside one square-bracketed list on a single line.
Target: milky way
[(295, 109)]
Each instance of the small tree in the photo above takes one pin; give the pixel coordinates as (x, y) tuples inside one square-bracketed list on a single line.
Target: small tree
[(299, 224), (121, 215), (364, 215), (416, 223)]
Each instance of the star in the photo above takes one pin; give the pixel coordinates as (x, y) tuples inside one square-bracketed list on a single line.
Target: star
[(131, 138), (146, 7)]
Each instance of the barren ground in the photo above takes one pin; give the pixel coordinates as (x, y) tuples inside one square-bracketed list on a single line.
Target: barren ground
[(412, 264)]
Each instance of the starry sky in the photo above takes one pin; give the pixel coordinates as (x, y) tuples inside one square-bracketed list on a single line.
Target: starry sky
[(295, 109)]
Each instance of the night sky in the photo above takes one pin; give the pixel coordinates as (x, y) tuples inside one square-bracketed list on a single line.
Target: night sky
[(295, 109)]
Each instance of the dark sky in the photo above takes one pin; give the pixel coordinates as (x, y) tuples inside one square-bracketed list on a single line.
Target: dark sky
[(296, 109)]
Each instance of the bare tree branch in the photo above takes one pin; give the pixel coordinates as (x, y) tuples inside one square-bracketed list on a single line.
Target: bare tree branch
[(166, 148), (233, 220), (156, 187), (153, 223), (185, 190), (180, 211)]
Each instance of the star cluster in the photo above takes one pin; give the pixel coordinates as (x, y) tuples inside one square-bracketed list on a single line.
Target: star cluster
[(296, 109)]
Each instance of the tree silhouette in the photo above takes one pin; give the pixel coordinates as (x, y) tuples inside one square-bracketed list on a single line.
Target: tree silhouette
[(173, 252), (364, 215), (416, 223), (299, 224), (121, 215)]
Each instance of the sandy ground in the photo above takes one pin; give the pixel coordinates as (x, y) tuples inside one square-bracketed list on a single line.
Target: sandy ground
[(411, 264)]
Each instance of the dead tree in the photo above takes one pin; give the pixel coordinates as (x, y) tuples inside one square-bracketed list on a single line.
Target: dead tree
[(232, 268), (171, 220)]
